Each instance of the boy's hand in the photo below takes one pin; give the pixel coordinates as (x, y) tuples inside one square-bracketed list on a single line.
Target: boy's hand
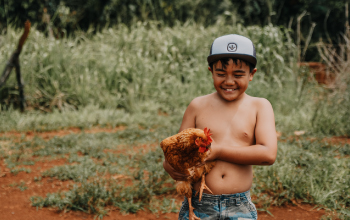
[(215, 151), (173, 173)]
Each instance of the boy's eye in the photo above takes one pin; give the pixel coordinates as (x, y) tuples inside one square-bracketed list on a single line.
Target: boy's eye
[(221, 75), (238, 76)]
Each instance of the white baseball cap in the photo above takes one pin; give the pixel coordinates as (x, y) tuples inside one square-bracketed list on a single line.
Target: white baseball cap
[(232, 45)]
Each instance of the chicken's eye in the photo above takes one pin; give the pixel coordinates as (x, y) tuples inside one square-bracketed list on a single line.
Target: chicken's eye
[(198, 141)]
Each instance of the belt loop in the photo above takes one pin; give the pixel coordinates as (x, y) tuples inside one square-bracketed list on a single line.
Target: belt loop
[(247, 194), (238, 201)]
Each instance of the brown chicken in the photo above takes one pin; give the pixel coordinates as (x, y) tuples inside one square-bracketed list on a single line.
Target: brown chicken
[(186, 153)]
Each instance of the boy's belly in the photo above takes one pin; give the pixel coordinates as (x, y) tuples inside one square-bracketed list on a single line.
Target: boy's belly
[(228, 178)]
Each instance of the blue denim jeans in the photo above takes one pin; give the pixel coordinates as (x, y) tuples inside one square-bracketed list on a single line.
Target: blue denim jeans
[(221, 207)]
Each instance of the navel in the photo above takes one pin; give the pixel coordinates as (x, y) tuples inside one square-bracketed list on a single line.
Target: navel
[(222, 176)]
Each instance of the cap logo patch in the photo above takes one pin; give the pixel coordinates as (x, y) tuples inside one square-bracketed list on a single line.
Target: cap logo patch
[(231, 47)]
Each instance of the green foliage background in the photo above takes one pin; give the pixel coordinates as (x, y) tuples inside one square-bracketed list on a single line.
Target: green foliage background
[(69, 16), (150, 67)]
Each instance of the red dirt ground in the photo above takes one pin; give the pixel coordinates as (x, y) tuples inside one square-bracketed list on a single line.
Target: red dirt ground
[(15, 204), (50, 134)]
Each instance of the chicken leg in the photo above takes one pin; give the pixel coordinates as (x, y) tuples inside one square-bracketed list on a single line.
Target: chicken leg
[(191, 215), (202, 187)]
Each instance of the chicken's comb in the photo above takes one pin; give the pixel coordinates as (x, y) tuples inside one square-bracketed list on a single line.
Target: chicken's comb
[(207, 133)]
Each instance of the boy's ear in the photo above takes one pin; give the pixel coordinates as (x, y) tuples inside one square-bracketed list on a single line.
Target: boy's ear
[(251, 75), (212, 75)]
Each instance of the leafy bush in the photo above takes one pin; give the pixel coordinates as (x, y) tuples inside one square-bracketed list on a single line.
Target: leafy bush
[(69, 16)]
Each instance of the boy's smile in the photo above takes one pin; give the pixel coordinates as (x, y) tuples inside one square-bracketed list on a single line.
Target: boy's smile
[(231, 81)]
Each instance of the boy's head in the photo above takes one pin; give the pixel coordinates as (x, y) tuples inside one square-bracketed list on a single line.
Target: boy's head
[(232, 62), (232, 46)]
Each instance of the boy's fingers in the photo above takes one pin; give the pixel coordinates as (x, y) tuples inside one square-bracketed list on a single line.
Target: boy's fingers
[(181, 179), (180, 176), (173, 173)]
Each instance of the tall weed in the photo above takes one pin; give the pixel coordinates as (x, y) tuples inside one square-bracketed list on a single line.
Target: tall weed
[(140, 72)]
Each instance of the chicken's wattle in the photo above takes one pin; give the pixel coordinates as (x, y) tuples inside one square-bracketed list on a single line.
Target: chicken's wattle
[(202, 149)]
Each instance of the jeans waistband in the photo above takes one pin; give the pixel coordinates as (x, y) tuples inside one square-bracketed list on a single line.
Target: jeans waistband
[(245, 194)]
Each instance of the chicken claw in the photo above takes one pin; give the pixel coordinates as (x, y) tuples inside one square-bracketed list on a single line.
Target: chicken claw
[(191, 215), (202, 187)]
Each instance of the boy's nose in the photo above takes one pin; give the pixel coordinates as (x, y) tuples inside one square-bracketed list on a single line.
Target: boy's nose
[(230, 81)]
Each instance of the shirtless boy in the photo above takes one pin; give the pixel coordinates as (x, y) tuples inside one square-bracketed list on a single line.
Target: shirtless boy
[(243, 130)]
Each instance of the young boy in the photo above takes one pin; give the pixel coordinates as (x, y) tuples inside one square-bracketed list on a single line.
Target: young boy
[(243, 130)]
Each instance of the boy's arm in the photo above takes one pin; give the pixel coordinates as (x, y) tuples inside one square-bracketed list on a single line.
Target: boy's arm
[(264, 152), (189, 118), (188, 121)]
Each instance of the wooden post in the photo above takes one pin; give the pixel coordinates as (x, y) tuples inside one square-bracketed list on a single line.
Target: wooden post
[(22, 101), (14, 62)]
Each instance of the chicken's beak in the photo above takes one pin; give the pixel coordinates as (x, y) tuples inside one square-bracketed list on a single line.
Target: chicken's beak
[(208, 147)]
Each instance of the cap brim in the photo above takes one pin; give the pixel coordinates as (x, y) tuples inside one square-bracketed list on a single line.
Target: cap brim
[(245, 57)]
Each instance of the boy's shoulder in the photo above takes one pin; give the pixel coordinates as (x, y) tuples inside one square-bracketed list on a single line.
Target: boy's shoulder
[(204, 100), (258, 103), (258, 100)]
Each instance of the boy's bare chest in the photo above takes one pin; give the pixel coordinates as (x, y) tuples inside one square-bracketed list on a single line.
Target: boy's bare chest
[(229, 126)]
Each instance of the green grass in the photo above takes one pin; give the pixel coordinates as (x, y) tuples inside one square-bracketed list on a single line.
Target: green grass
[(311, 171), (77, 172), (90, 170)]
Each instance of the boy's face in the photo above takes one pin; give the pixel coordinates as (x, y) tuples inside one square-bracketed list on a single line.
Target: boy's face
[(231, 81)]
